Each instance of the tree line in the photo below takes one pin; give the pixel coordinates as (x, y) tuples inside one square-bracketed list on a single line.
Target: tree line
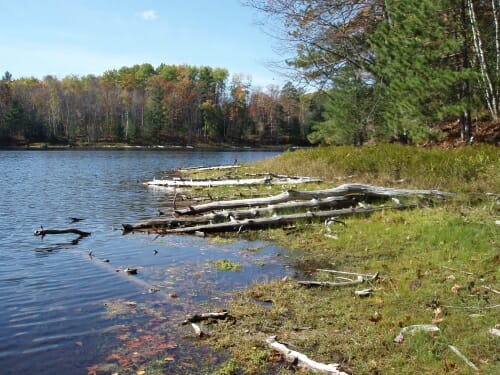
[(392, 69), (169, 104)]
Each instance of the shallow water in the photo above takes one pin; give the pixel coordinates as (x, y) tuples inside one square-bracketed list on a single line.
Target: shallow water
[(65, 312)]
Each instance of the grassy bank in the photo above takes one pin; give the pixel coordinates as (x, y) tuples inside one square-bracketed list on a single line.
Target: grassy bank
[(438, 264)]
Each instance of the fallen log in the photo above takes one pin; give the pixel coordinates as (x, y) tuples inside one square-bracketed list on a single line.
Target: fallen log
[(217, 217), (208, 168), (367, 191), (277, 221), (178, 182), (303, 361), (43, 232)]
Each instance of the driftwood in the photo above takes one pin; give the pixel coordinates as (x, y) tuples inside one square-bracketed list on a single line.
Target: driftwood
[(43, 232), (180, 182), (367, 191), (277, 221), (81, 234), (209, 168), (303, 361), (221, 216)]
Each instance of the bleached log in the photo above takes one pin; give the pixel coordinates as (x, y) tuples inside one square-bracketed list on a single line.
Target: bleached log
[(208, 168), (303, 361), (277, 221), (216, 217), (43, 232), (177, 182), (415, 328), (368, 191)]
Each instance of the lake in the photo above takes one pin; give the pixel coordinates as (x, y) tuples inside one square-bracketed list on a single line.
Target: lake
[(64, 311)]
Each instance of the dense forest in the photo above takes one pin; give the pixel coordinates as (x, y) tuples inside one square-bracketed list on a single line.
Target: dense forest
[(144, 105), (380, 69)]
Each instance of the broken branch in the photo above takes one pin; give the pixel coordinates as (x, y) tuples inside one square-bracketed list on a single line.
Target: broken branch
[(301, 360)]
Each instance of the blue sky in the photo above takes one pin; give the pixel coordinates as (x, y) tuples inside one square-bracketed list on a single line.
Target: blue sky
[(63, 37)]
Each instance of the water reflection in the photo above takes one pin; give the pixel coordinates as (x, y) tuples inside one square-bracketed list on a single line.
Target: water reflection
[(65, 312)]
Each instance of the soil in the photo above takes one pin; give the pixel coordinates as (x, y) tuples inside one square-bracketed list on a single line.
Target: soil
[(482, 132)]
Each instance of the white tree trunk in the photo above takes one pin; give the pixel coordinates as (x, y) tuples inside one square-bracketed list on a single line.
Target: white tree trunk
[(489, 92)]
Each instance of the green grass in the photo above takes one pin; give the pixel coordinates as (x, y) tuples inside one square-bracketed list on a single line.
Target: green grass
[(433, 261), (227, 265)]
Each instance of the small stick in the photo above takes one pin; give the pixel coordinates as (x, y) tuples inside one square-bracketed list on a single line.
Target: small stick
[(457, 352), (491, 289)]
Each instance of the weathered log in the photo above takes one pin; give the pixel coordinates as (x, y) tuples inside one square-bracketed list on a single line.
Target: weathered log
[(368, 191), (217, 217), (208, 168), (303, 361), (178, 182), (43, 232), (277, 221)]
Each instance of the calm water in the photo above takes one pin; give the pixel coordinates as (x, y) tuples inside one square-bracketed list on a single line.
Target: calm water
[(64, 312)]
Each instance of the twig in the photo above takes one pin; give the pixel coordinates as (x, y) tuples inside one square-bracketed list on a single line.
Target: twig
[(458, 353), (473, 307), (491, 289), (375, 276), (330, 283), (454, 269)]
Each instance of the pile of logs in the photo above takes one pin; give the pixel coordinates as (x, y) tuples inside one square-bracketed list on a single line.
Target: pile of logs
[(260, 213)]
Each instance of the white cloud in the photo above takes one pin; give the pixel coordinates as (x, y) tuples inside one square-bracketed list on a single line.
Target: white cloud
[(149, 15)]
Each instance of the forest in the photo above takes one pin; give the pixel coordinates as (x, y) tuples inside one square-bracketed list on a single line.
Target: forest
[(376, 70)]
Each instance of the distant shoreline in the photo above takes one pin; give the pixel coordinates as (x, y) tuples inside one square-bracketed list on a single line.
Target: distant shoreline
[(55, 147)]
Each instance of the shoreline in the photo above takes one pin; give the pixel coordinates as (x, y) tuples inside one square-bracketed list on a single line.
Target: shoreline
[(51, 147)]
